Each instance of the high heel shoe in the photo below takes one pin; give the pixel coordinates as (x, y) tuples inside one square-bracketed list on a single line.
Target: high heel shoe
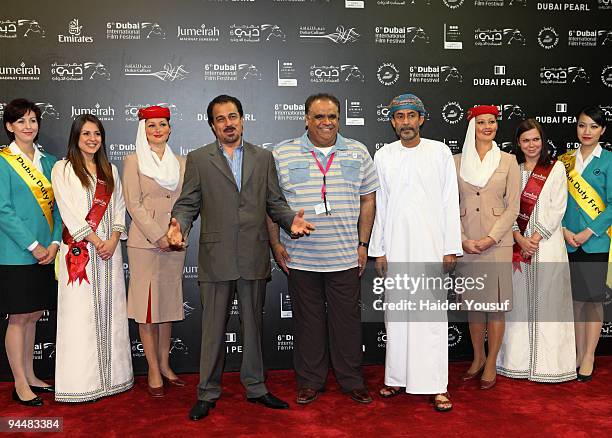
[(488, 384), (584, 377), (176, 382), (36, 401), (469, 376)]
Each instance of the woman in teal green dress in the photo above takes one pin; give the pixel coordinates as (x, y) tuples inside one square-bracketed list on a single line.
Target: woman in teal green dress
[(587, 220), (30, 231)]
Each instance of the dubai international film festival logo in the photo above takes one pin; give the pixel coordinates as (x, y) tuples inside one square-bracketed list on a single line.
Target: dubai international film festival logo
[(285, 112), (548, 38), (75, 34), (382, 113), (79, 71), (387, 74), (134, 30), (451, 74), (606, 76), (47, 111), (169, 73), (342, 35), (351, 73), (564, 75), (453, 4), (284, 342), (21, 28), (511, 111), (231, 72), (452, 113), (433, 74), (178, 347), (31, 29), (416, 35), (499, 37), (255, 33)]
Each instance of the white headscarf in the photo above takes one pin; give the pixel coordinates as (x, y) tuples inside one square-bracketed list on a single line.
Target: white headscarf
[(166, 172), (473, 170)]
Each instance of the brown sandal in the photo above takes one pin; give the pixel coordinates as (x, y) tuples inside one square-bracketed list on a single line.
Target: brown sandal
[(390, 391), (442, 405)]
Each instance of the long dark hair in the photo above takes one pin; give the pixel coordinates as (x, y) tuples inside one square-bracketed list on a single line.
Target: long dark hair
[(75, 156), (545, 158)]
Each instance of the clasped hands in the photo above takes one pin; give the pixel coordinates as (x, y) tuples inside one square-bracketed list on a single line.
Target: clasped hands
[(528, 245), (105, 248), (577, 239), (479, 246), (45, 255)]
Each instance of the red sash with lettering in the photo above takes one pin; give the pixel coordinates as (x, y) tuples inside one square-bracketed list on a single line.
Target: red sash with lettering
[(78, 254), (529, 198)]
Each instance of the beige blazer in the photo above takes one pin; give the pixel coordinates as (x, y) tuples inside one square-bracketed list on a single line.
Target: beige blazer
[(149, 204), (491, 210)]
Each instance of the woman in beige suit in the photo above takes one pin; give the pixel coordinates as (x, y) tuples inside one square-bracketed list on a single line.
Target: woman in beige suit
[(152, 180), (489, 192)]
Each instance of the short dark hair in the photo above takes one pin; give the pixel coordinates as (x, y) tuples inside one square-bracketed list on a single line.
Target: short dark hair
[(596, 113), (223, 98), (527, 125), (321, 96), (16, 109)]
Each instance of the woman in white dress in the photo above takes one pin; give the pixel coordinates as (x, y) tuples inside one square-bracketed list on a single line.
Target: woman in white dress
[(93, 357), (539, 339)]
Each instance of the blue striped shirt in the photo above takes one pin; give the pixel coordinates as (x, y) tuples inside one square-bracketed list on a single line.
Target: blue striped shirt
[(235, 162), (333, 245)]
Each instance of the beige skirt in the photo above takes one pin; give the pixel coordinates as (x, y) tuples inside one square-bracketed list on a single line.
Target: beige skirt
[(491, 270), (155, 293)]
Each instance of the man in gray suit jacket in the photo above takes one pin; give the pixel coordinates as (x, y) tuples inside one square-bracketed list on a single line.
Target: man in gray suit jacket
[(232, 185)]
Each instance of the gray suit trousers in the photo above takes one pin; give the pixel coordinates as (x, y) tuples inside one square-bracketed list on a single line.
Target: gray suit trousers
[(216, 303)]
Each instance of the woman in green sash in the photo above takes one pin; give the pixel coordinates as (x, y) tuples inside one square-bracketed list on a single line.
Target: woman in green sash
[(30, 231), (586, 226)]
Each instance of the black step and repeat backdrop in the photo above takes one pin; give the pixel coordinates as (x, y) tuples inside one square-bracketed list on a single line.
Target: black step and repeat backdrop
[(531, 58)]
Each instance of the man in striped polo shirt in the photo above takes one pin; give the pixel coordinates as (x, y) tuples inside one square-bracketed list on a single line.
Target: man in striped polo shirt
[(334, 180)]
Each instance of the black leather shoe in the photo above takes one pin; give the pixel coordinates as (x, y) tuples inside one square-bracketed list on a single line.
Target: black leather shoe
[(42, 389), (36, 401), (200, 409), (269, 401)]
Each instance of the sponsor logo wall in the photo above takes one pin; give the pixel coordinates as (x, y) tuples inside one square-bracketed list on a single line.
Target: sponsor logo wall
[(544, 59)]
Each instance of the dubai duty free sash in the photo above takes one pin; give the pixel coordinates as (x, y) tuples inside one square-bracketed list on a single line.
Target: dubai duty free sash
[(586, 197), (78, 254), (529, 198), (36, 181)]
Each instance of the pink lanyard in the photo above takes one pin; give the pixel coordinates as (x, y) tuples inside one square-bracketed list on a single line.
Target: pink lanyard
[(323, 171)]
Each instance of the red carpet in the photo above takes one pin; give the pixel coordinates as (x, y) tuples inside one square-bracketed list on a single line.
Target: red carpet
[(512, 408)]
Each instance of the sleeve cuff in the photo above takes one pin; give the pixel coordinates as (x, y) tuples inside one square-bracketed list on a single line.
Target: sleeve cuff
[(542, 231), (33, 245), (594, 233), (82, 233)]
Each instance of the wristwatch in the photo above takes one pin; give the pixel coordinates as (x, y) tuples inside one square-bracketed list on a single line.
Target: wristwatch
[(364, 244)]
